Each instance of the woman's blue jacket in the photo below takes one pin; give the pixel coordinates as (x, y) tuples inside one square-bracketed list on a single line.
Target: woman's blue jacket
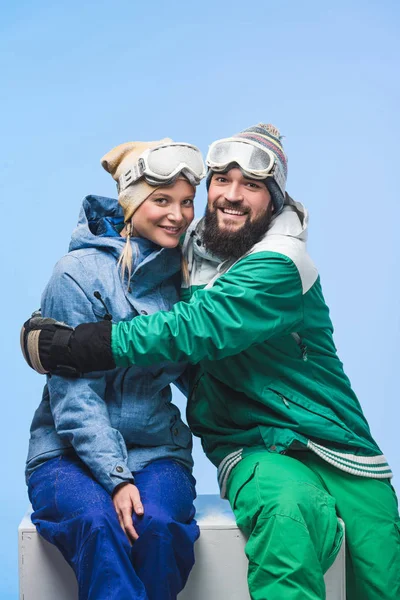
[(116, 421)]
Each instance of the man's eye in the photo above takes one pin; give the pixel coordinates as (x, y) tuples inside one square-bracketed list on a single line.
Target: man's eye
[(221, 179), (253, 185)]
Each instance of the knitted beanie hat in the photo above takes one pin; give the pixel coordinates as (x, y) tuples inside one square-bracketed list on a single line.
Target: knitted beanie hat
[(268, 136), (117, 161)]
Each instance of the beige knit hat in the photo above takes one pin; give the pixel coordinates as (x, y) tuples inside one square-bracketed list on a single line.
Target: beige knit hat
[(117, 161)]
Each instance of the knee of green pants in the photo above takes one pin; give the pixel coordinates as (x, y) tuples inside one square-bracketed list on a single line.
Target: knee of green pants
[(283, 562), (265, 486)]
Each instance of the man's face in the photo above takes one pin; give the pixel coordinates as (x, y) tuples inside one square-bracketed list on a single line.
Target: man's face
[(236, 199), (238, 214)]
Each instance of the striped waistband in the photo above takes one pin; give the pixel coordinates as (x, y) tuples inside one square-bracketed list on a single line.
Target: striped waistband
[(225, 467), (375, 467)]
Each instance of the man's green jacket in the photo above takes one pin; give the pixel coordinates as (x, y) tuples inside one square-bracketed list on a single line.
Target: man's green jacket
[(265, 372)]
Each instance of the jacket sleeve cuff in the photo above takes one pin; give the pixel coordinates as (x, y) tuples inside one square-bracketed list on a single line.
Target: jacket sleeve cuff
[(119, 474)]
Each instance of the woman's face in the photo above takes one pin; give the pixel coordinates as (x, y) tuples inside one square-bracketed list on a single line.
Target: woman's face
[(166, 214)]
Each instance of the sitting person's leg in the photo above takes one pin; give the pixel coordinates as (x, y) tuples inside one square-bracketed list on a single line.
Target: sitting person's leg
[(163, 555), (75, 513), (370, 513), (291, 524)]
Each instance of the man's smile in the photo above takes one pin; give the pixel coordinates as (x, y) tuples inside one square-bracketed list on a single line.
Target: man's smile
[(231, 211)]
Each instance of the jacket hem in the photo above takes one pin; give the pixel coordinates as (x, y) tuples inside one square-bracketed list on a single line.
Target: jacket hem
[(374, 467)]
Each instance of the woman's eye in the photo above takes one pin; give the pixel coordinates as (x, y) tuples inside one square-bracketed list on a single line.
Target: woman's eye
[(188, 202), (162, 201)]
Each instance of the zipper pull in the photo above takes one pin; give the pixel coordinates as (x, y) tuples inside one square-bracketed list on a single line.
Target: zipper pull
[(284, 400), (304, 354), (107, 316), (303, 347)]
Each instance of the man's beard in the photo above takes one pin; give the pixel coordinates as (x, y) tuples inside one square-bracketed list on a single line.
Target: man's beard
[(232, 244)]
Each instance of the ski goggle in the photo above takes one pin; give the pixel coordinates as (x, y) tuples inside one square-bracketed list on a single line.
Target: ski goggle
[(255, 161), (164, 164)]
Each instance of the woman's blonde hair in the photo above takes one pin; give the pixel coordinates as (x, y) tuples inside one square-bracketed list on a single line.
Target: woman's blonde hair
[(125, 261)]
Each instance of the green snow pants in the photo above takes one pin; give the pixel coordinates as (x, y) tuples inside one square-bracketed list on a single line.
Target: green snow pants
[(289, 507)]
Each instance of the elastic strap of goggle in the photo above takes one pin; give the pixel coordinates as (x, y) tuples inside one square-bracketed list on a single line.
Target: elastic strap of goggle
[(130, 176)]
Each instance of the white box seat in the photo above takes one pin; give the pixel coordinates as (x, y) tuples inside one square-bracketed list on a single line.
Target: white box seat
[(219, 573)]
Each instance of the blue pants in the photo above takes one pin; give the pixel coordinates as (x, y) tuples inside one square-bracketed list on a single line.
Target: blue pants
[(73, 512)]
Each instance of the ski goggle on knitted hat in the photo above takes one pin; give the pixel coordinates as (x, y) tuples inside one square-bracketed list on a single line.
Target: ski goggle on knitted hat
[(163, 164), (259, 153)]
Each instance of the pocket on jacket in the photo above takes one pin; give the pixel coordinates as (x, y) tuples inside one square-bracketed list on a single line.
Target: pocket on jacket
[(310, 411), (181, 435)]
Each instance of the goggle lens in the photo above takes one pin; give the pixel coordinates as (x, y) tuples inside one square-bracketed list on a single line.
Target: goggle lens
[(249, 157), (164, 161)]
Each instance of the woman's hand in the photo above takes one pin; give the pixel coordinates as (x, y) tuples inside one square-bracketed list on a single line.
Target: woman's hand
[(126, 501)]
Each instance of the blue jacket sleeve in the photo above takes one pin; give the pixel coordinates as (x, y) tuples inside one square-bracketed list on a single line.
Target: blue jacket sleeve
[(79, 410)]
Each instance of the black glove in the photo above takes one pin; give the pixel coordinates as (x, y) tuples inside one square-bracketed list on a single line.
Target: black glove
[(50, 346)]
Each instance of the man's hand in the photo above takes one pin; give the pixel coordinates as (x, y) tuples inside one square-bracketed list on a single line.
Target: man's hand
[(37, 336), (126, 501), (50, 346)]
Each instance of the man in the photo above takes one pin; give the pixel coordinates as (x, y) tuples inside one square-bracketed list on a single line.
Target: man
[(269, 397)]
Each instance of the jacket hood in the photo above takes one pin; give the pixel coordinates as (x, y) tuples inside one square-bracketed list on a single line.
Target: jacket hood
[(98, 215), (292, 221)]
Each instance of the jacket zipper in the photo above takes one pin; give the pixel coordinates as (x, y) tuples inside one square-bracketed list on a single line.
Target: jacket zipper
[(284, 400), (287, 404), (301, 345), (108, 315), (193, 392)]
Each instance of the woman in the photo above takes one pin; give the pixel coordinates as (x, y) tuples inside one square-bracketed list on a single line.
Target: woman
[(109, 464)]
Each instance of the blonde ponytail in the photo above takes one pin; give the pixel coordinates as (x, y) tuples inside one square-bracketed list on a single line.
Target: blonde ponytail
[(126, 258)]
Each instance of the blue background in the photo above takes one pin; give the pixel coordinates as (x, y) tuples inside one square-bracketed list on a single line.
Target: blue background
[(78, 79)]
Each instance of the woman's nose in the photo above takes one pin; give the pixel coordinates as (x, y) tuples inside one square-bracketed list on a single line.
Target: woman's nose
[(175, 214)]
